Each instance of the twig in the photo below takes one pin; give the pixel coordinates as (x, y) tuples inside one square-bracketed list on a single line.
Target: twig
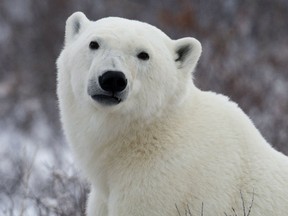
[(177, 210), (243, 203), (27, 174), (202, 209), (252, 201), (234, 211), (189, 211)]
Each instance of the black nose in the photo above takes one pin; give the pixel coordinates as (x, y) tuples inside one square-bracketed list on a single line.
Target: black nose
[(113, 81)]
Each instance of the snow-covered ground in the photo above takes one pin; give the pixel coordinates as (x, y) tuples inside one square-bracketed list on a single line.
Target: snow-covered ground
[(37, 173)]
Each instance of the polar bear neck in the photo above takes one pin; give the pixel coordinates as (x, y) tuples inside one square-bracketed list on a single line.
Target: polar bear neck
[(102, 138)]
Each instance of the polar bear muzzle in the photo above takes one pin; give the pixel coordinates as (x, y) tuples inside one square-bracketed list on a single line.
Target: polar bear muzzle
[(109, 89), (113, 81)]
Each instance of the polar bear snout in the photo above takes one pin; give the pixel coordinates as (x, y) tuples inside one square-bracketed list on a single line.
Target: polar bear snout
[(110, 88), (113, 81)]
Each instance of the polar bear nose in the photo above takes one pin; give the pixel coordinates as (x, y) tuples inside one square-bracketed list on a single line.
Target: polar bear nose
[(113, 81)]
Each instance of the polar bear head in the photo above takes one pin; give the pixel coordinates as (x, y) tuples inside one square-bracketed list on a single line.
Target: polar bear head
[(121, 66)]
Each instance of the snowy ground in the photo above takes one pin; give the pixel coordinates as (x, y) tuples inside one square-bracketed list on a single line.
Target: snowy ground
[(37, 172)]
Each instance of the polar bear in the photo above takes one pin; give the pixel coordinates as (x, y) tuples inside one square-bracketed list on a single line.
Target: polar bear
[(149, 141)]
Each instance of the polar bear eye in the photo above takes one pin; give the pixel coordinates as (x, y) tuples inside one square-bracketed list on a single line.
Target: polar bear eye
[(143, 56), (93, 45)]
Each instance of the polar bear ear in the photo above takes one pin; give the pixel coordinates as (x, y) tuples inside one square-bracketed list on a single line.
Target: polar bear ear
[(74, 25), (187, 53)]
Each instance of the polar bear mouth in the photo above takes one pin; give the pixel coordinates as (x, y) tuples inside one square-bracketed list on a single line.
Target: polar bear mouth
[(106, 99)]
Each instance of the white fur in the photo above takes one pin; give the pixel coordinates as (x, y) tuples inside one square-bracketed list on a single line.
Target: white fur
[(168, 143)]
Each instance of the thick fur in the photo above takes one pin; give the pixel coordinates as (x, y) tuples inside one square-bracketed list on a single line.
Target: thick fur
[(168, 143)]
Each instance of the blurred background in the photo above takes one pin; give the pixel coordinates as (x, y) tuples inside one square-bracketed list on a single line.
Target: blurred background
[(245, 56)]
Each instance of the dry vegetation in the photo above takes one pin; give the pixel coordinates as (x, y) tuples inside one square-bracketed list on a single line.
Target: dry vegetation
[(245, 211)]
